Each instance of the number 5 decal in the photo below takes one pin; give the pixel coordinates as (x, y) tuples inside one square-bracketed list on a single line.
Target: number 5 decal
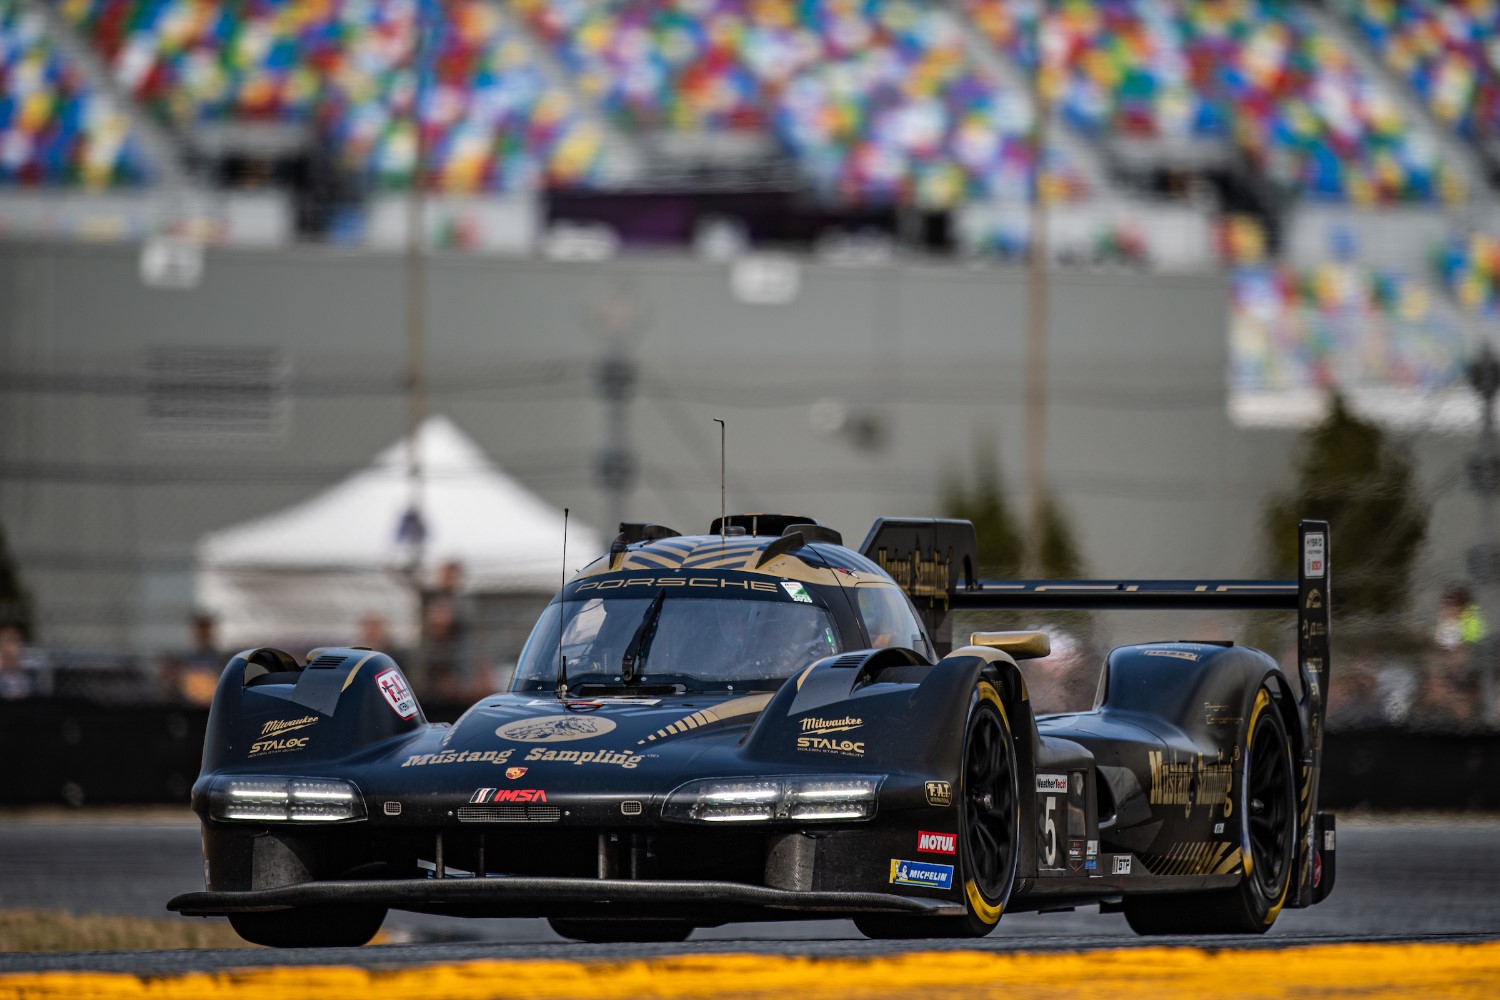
[(1049, 832)]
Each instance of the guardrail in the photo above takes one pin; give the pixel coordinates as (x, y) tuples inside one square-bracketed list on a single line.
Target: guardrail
[(80, 753)]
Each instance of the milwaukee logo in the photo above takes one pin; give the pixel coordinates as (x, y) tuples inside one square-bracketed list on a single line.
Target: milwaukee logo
[(936, 843), (286, 725), (825, 726)]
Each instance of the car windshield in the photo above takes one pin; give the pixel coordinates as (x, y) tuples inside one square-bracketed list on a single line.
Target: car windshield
[(701, 643)]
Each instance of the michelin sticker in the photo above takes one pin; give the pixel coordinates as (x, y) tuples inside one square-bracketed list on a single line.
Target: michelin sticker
[(921, 873), (796, 592)]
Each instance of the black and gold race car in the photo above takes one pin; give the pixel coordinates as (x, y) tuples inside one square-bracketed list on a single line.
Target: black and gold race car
[(760, 723)]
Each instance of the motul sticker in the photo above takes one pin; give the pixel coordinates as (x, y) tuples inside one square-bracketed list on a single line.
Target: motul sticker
[(1052, 782), (393, 686), (1314, 547), (937, 843)]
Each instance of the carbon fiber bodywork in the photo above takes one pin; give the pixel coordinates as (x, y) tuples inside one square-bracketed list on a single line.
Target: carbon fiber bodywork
[(532, 804)]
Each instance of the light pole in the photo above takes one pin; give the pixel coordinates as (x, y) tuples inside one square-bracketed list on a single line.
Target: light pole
[(1484, 556), (1037, 318)]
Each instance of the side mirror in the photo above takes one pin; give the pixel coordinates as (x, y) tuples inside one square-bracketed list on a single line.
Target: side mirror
[(1021, 645)]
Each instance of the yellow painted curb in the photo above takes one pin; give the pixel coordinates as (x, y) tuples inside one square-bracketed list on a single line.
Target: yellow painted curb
[(1362, 971)]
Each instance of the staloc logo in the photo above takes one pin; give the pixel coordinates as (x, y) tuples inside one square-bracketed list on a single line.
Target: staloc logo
[(937, 843)]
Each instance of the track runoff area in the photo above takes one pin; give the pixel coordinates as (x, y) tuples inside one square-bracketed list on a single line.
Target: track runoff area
[(1160, 973)]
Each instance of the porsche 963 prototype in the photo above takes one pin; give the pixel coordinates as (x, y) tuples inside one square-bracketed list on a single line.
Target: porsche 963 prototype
[(761, 723)]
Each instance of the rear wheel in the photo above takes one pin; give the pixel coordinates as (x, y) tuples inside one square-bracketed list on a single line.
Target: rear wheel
[(614, 931), (310, 926), (1268, 845), (989, 827)]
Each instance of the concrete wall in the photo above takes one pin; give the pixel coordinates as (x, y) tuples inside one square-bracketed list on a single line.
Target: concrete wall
[(103, 511)]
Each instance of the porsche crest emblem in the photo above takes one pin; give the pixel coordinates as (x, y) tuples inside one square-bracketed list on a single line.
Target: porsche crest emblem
[(514, 772)]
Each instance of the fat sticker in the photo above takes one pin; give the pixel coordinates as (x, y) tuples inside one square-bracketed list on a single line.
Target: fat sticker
[(796, 592), (397, 694)]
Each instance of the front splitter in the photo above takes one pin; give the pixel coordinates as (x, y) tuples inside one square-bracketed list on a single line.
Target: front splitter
[(525, 896)]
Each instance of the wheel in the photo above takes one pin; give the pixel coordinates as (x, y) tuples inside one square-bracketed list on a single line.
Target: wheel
[(613, 931), (310, 926), (989, 825), (1268, 845)]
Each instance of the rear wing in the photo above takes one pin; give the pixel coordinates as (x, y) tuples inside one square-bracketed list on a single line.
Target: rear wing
[(934, 559)]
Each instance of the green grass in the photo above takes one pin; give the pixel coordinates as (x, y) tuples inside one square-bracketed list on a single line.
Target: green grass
[(44, 930)]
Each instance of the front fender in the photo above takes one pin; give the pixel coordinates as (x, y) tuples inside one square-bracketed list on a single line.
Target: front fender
[(269, 711)]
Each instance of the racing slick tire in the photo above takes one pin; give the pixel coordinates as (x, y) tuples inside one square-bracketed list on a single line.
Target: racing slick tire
[(310, 926), (989, 829), (1268, 845), (616, 931)]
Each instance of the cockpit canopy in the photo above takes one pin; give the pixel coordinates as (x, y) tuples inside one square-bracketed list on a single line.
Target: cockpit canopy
[(717, 643)]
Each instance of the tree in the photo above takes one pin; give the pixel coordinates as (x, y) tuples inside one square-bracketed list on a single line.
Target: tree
[(1000, 550), (998, 541), (1362, 484)]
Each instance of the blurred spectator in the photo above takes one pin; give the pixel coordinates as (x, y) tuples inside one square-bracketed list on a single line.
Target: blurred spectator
[(1354, 697), (375, 632), (1449, 692), (23, 671), (192, 676), (450, 669)]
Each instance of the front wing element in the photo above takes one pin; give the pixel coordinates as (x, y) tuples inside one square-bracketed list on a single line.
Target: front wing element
[(532, 897)]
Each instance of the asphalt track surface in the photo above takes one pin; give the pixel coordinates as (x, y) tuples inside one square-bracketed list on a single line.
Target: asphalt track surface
[(1432, 878)]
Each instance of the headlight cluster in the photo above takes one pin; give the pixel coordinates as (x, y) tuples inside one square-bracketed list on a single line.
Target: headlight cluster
[(255, 799), (795, 798)]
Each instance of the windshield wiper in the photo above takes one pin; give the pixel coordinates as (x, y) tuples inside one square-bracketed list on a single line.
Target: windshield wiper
[(641, 641)]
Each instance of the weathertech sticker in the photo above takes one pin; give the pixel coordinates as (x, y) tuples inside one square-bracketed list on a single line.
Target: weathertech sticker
[(397, 695), (937, 843), (1052, 782), (797, 592), (921, 873)]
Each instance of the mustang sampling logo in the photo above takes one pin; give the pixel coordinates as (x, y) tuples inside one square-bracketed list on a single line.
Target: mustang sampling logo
[(1172, 784), (459, 757), (618, 758), (554, 729)]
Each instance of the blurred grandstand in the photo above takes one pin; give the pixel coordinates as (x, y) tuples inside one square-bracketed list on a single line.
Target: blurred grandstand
[(1262, 137), (1336, 164)]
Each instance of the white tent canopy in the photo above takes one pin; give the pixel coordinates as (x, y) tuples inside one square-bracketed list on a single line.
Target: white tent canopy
[(316, 568)]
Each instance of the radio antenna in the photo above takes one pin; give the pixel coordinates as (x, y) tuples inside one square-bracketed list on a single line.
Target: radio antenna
[(562, 605), (723, 523)]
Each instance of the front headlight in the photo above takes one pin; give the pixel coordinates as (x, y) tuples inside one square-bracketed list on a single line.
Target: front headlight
[(793, 798), (254, 799)]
